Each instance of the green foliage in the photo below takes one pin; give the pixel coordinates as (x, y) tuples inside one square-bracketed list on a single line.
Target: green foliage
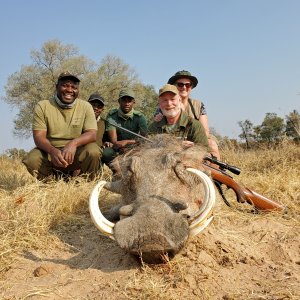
[(37, 81), (272, 128), (293, 125), (247, 131)]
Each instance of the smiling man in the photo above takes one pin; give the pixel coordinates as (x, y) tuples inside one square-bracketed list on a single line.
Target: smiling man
[(175, 121), (64, 132)]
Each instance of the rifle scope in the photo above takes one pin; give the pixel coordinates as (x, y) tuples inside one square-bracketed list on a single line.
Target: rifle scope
[(224, 166)]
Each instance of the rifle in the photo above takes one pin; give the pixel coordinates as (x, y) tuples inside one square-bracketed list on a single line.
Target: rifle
[(243, 194), (113, 123)]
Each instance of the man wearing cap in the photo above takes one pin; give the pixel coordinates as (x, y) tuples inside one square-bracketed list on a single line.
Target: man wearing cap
[(185, 82), (97, 103), (64, 132), (175, 120), (127, 117)]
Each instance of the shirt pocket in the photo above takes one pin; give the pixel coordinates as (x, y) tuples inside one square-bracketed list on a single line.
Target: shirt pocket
[(76, 122)]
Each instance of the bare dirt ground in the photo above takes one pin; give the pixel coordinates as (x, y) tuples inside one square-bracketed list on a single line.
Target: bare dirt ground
[(239, 256)]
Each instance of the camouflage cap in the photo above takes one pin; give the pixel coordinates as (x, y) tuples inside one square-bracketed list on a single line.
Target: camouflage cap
[(96, 97), (168, 88), (67, 74), (126, 92), (183, 74)]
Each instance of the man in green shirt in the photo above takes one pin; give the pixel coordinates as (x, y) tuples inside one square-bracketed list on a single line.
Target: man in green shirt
[(176, 121), (128, 118), (64, 132)]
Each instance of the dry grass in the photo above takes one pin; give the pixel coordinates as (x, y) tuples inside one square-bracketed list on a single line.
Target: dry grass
[(33, 215), (274, 173)]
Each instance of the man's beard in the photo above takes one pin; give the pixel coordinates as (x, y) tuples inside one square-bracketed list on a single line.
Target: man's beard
[(171, 113)]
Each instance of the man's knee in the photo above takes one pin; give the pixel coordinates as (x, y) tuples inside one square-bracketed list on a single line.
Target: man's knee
[(37, 163), (108, 155), (33, 160), (92, 150)]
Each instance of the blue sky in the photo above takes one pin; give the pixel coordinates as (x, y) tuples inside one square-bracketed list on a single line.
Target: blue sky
[(245, 53)]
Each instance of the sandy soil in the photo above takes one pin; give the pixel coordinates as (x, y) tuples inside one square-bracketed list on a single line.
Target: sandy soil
[(239, 256)]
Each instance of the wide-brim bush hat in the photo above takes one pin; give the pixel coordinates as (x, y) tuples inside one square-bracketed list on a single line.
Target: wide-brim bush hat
[(183, 74)]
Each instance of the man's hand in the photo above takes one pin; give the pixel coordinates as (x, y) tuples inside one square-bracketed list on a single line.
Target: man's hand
[(57, 158), (107, 145), (158, 117), (124, 143), (68, 152)]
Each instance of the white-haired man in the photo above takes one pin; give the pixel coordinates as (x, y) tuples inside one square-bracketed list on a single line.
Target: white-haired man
[(175, 120)]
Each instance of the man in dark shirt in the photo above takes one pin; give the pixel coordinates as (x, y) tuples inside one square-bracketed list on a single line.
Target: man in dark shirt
[(128, 118)]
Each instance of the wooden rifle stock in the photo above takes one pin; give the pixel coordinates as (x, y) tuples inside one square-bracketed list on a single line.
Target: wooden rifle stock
[(243, 194)]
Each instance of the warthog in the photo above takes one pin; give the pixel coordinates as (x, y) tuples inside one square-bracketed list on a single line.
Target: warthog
[(165, 199)]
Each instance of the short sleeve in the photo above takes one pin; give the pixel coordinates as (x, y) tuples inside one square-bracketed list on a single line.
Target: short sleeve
[(39, 122)]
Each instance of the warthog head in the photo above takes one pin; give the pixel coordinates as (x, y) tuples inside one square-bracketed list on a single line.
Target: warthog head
[(166, 199)]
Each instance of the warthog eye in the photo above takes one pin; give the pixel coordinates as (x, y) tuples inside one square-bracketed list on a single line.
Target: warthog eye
[(175, 206), (179, 206)]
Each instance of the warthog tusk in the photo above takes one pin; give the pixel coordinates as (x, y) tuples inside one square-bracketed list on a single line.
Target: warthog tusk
[(105, 226), (203, 216)]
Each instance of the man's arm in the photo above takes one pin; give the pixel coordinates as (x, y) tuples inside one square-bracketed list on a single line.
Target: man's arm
[(41, 142), (198, 134), (112, 135), (69, 150), (66, 156), (204, 121)]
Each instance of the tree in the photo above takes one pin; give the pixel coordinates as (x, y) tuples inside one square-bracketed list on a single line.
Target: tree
[(37, 81), (15, 153), (293, 124), (272, 128), (247, 131)]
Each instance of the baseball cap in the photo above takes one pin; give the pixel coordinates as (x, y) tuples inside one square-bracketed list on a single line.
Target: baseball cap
[(67, 74), (96, 97), (168, 88), (126, 93)]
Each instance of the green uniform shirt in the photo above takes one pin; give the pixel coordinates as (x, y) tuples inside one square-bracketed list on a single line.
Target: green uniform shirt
[(136, 123), (63, 125), (186, 128)]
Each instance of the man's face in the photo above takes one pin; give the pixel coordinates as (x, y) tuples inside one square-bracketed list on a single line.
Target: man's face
[(184, 86), (98, 107), (67, 90), (126, 104), (170, 104)]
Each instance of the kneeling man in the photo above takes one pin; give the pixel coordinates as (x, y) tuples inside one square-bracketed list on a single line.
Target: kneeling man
[(175, 120), (64, 132)]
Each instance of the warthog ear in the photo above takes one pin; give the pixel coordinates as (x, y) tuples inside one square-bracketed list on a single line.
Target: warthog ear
[(134, 172), (170, 159), (134, 165)]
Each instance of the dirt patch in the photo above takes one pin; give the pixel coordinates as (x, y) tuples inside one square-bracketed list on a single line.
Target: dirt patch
[(239, 256)]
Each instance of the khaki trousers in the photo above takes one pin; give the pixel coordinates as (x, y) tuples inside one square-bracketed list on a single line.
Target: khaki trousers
[(87, 158)]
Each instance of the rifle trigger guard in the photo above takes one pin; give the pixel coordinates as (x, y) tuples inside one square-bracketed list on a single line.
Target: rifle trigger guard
[(218, 184)]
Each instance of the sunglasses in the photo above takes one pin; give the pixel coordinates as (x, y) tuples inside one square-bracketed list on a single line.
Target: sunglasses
[(181, 85)]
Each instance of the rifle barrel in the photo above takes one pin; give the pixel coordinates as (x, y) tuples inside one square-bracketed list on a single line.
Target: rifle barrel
[(126, 130)]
